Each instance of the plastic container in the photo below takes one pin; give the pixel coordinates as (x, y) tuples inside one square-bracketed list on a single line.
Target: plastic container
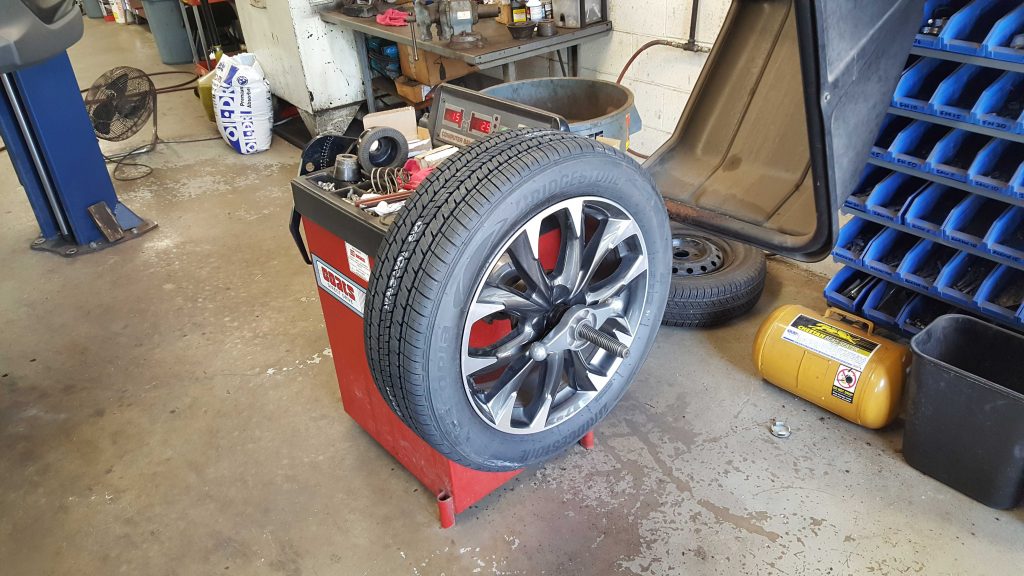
[(1006, 237), (948, 7), (913, 145), (887, 251), (919, 82), (921, 312), (890, 197), (953, 155), (967, 29), (957, 94), (1002, 293), (1017, 184), (969, 223), (849, 288), (965, 409), (164, 17), (923, 264), (869, 178), (995, 166), (929, 210), (961, 279), (884, 304), (997, 43), (891, 127), (992, 111), (854, 239), (92, 8)]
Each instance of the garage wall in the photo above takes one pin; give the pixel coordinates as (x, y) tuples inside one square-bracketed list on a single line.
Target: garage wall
[(662, 77)]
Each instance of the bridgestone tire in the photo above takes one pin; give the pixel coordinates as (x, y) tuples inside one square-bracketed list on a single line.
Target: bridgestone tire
[(715, 297), (436, 254)]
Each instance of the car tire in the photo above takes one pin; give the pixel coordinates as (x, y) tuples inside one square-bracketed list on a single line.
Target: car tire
[(476, 228), (713, 279)]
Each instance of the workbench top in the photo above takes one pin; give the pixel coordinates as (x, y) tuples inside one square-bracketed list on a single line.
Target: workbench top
[(499, 45)]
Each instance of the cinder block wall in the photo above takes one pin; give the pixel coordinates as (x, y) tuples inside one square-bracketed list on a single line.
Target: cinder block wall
[(662, 77)]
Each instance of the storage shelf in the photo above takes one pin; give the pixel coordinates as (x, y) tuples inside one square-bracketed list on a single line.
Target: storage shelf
[(1002, 134), (936, 239), (968, 59), (948, 182), (972, 311)]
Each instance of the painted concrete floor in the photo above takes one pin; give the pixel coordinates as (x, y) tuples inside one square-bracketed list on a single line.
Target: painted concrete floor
[(169, 406)]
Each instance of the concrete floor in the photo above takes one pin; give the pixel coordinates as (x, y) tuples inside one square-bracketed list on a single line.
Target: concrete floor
[(170, 407)]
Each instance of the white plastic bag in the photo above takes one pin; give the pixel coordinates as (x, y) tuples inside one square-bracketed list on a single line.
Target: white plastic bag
[(241, 100)]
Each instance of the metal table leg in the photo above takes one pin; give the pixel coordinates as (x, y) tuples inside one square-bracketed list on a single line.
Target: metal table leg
[(508, 72), (364, 67), (188, 32), (574, 60), (202, 36)]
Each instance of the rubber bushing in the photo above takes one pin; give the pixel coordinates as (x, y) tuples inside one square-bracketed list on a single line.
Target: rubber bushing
[(382, 147)]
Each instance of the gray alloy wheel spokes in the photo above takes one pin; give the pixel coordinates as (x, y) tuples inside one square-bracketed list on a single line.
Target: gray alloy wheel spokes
[(569, 288)]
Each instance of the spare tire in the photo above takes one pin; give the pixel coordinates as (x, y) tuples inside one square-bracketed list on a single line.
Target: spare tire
[(713, 279), (517, 295)]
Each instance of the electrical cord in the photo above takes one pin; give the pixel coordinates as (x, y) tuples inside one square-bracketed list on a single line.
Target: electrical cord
[(122, 160), (688, 46)]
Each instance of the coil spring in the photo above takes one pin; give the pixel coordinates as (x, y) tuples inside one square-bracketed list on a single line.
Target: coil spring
[(389, 180)]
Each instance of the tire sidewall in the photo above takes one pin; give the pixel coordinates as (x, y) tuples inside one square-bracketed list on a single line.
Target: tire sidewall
[(591, 175)]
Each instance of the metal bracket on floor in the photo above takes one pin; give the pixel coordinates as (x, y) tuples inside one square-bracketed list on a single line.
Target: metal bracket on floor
[(117, 226)]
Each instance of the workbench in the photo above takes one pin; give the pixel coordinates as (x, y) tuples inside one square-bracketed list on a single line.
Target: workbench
[(500, 49)]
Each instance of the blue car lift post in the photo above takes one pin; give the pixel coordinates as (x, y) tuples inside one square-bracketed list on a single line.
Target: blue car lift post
[(52, 145)]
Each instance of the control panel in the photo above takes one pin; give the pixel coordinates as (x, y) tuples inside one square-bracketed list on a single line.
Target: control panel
[(460, 116)]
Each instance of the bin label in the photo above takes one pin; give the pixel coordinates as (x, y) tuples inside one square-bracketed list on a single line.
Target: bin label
[(830, 341), (336, 284), (845, 385)]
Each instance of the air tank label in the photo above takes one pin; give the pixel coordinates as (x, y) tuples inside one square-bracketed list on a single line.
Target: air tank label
[(834, 343), (845, 385)]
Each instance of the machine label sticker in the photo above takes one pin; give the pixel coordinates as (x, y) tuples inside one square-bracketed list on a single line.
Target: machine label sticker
[(336, 284), (845, 385), (830, 341), (358, 262), (454, 138)]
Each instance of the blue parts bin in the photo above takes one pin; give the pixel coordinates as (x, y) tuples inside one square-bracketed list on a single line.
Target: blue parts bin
[(892, 195), (919, 82), (967, 28), (854, 239), (929, 210), (957, 94), (869, 178), (998, 43), (913, 145), (936, 16), (996, 165), (923, 264), (961, 279), (849, 288), (970, 222), (1006, 237), (965, 409), (1002, 293), (884, 304), (953, 155), (886, 252), (920, 312), (891, 127), (999, 106)]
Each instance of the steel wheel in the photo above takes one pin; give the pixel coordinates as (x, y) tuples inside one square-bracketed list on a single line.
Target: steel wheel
[(554, 315), (696, 255)]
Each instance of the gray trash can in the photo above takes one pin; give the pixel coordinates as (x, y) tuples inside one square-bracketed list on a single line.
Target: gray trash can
[(92, 8), (168, 30)]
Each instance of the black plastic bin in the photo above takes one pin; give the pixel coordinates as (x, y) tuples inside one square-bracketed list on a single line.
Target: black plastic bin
[(965, 409)]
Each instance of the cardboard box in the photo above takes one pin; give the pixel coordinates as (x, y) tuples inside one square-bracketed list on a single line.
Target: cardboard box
[(411, 90), (427, 70), (401, 119)]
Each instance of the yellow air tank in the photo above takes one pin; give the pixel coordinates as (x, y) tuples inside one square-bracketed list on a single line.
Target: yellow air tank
[(835, 364)]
